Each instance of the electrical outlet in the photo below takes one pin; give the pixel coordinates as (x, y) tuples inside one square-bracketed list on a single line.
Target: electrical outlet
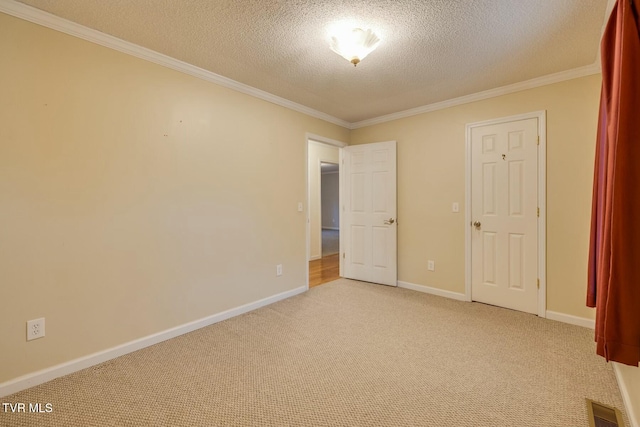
[(35, 329), (455, 207), (279, 270), (300, 207), (431, 266)]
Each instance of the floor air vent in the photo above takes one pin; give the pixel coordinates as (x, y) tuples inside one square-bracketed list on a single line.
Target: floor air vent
[(603, 416)]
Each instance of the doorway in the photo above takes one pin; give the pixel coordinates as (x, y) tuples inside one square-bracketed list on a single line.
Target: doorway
[(323, 222), (505, 238), (327, 268), (330, 208)]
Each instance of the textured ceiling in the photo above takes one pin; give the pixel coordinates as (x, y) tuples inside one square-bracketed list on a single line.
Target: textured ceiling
[(431, 50)]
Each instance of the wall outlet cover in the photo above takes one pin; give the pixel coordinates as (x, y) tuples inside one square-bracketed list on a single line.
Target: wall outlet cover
[(35, 329)]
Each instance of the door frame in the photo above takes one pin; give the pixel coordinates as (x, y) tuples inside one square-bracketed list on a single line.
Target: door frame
[(310, 137), (542, 197)]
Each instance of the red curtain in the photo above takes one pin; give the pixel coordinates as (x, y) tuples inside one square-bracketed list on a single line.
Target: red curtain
[(614, 253)]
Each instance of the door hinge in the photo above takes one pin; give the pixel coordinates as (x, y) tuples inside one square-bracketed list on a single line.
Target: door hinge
[(344, 254), (538, 212), (538, 139), (538, 283)]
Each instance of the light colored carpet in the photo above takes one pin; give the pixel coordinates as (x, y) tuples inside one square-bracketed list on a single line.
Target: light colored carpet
[(344, 354), (330, 242)]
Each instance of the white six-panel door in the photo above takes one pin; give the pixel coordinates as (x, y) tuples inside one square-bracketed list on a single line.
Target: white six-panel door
[(504, 214), (369, 213)]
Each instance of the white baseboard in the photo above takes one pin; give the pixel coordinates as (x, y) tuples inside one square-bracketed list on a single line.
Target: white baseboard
[(30, 380), (314, 258), (622, 384), (572, 320), (631, 407), (432, 291), (551, 315)]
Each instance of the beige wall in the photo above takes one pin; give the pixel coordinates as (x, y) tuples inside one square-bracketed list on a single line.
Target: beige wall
[(134, 198), (318, 153), (431, 175)]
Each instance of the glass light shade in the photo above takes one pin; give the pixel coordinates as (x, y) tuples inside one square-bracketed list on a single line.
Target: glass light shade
[(354, 44)]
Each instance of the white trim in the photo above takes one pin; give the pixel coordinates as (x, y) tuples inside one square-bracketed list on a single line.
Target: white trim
[(341, 203), (541, 116), (42, 376), (48, 20), (629, 406), (479, 96), (307, 211), (572, 320), (314, 258), (542, 217), (467, 216), (319, 205), (37, 16), (322, 140), (532, 115), (318, 139), (622, 384), (432, 291)]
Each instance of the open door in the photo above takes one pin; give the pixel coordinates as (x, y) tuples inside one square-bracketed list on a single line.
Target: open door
[(369, 223)]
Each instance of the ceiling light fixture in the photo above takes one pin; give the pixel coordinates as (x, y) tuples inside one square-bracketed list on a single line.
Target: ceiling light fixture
[(354, 44)]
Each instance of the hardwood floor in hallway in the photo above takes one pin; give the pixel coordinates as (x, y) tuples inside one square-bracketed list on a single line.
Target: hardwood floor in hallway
[(323, 270)]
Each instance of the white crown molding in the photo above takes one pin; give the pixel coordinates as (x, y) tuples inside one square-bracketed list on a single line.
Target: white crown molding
[(37, 16), (40, 377), (46, 19), (491, 93)]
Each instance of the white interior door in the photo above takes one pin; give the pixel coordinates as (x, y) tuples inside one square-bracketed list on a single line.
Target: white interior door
[(504, 214), (369, 223)]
